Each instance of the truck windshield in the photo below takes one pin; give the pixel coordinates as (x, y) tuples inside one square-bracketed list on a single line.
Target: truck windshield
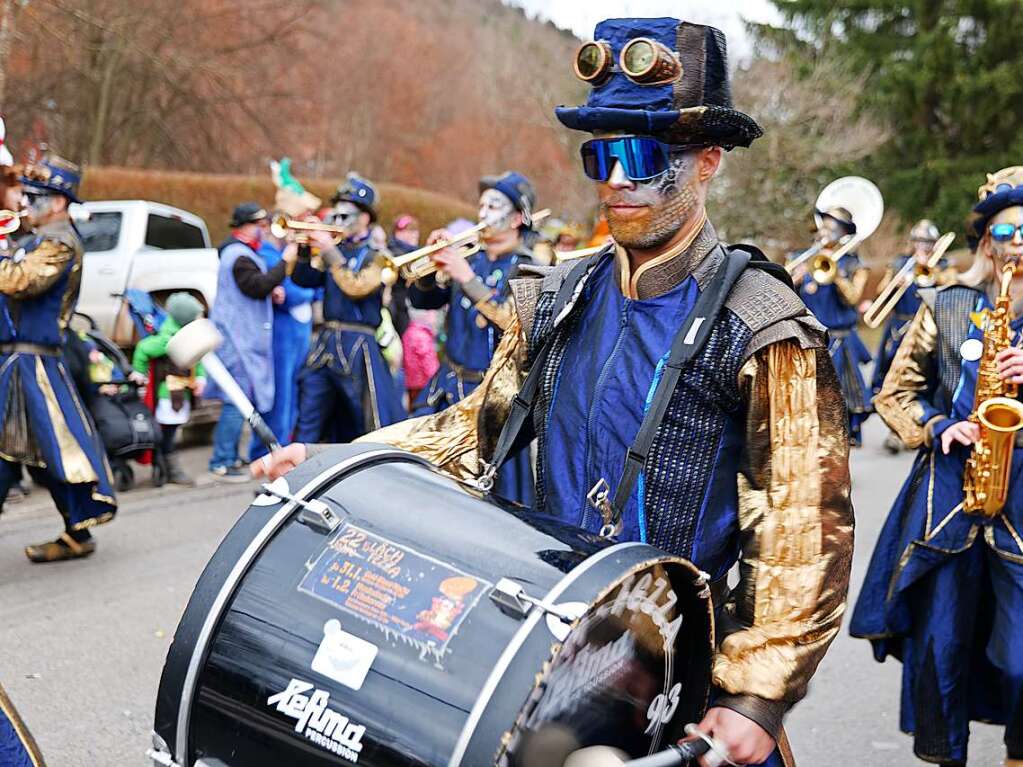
[(100, 231), (165, 233)]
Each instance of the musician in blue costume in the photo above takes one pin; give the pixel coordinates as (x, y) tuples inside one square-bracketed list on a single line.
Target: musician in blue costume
[(346, 388), (944, 590), (835, 304), (478, 298), (43, 425), (748, 461), (922, 238)]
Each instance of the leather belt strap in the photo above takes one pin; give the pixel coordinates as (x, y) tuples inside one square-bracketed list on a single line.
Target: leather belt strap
[(463, 373), (27, 348), (353, 327)]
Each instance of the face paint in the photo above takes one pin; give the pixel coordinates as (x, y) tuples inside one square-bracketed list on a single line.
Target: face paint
[(495, 210), (344, 214), (651, 213), (1011, 250)]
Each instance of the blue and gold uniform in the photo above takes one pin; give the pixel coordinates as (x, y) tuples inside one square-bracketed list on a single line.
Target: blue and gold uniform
[(835, 305), (749, 463), (346, 388), (944, 589), (43, 424), (477, 315)]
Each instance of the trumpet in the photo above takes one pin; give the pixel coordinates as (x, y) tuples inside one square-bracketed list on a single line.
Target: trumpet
[(824, 266), (284, 228), (419, 263), (921, 274), (560, 256), (10, 220)]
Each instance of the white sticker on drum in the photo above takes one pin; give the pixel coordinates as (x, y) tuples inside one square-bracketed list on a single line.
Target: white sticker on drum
[(343, 657)]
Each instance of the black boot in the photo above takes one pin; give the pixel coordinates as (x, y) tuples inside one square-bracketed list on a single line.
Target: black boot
[(176, 475)]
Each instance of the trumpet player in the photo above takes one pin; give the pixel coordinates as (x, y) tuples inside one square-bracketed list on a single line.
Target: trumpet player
[(346, 387), (922, 238), (833, 299), (944, 589), (476, 292)]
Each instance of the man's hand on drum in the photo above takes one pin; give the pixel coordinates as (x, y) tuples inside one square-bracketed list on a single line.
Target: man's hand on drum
[(448, 260), (278, 463), (745, 741)]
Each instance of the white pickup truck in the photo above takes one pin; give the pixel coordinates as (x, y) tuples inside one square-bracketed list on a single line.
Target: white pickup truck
[(143, 245)]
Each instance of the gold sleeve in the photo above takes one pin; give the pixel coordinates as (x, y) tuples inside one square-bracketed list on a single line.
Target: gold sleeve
[(796, 526), (37, 272), (499, 314), (360, 284), (851, 288), (898, 403), (886, 279), (455, 439)]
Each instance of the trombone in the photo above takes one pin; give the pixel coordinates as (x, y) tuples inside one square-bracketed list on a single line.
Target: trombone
[(910, 273), (284, 228), (419, 263), (10, 220)]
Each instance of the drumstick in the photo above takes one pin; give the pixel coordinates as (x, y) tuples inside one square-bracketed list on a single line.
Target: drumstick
[(196, 343)]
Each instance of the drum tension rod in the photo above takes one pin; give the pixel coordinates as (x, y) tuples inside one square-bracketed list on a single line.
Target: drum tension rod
[(315, 513), (512, 599)]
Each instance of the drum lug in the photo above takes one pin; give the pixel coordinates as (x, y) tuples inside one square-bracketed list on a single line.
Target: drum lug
[(702, 582), (513, 600), (160, 754), (317, 515)]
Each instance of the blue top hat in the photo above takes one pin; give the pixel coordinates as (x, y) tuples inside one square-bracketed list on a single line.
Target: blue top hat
[(359, 192), (659, 77), (516, 188), (53, 174)]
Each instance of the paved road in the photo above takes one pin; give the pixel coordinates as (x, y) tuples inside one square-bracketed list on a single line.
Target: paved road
[(82, 643)]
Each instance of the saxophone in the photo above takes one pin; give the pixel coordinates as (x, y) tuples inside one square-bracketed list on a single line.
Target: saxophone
[(998, 413)]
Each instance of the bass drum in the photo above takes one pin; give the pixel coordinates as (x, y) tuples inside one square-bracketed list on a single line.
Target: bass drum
[(374, 612)]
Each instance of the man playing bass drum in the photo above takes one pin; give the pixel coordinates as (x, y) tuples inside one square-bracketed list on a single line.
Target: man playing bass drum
[(744, 446), (476, 292), (944, 590)]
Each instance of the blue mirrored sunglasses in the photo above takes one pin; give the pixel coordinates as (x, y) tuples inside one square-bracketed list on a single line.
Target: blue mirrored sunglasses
[(1005, 232), (642, 158), (1004, 187)]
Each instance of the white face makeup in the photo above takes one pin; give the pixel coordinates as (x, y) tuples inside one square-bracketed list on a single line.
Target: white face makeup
[(495, 210), (344, 214)]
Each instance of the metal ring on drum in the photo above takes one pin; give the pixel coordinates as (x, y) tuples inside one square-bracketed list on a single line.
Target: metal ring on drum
[(371, 611)]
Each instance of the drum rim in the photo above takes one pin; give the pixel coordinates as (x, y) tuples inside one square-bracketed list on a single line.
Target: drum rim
[(241, 567), (515, 644)]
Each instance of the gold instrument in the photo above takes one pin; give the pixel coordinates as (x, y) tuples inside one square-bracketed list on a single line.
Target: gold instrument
[(10, 220), (560, 256), (284, 228), (998, 413), (923, 275), (863, 200), (419, 263)]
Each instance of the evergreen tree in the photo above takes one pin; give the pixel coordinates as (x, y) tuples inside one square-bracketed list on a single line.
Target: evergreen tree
[(943, 74)]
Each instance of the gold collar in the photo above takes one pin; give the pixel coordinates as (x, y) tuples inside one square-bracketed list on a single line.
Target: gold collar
[(664, 272)]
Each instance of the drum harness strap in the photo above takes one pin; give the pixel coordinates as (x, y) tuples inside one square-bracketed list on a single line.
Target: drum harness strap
[(690, 339)]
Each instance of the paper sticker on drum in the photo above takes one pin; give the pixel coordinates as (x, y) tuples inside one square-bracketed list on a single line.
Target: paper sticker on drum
[(343, 657), (405, 594)]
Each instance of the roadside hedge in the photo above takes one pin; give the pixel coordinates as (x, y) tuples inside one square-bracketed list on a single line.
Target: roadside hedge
[(213, 196)]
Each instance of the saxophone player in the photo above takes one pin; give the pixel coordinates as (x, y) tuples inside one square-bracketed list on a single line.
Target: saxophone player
[(944, 590)]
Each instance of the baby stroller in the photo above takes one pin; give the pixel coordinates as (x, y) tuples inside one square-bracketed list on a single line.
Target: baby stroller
[(128, 429)]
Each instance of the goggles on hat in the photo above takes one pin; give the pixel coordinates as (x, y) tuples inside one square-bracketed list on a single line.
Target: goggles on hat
[(641, 157), (642, 60), (1005, 232)]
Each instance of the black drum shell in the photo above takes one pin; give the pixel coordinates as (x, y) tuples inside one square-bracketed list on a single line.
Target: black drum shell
[(417, 709)]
